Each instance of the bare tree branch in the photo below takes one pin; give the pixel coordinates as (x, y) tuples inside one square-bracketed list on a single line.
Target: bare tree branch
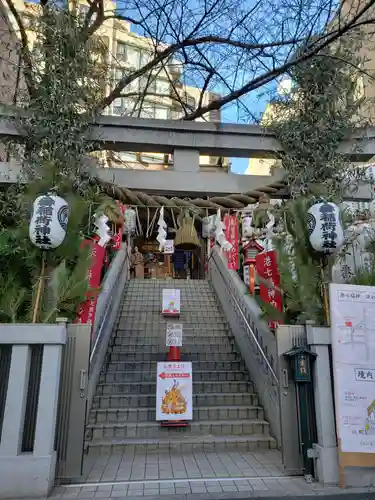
[(25, 49)]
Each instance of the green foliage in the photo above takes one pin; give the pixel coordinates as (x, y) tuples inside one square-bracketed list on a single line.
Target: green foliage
[(300, 267), (69, 74), (322, 109)]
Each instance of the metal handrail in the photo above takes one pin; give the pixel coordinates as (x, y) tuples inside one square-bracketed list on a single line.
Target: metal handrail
[(248, 325), (107, 309)]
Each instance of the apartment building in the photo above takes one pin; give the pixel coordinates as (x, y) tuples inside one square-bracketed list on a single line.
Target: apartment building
[(161, 94)]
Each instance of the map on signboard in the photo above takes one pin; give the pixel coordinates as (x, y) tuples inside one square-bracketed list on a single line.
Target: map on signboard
[(353, 352), (356, 327)]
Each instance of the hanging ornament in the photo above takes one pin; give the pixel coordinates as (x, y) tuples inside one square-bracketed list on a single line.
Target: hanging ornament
[(219, 233), (209, 227), (247, 226), (130, 221), (49, 221), (324, 226), (162, 233), (103, 230), (206, 227)]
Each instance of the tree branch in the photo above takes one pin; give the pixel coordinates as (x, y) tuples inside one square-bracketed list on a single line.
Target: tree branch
[(25, 51), (271, 75)]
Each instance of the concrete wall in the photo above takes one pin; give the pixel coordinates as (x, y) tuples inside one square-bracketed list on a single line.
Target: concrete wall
[(29, 474)]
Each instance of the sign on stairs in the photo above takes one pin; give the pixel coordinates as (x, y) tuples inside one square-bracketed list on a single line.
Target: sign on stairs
[(171, 302), (174, 391), (174, 335)]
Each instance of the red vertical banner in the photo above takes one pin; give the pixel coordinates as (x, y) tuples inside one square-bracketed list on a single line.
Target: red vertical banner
[(232, 236), (267, 268), (117, 238), (87, 309)]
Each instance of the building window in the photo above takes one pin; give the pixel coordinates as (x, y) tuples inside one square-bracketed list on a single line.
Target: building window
[(147, 111), (161, 112), (190, 101), (119, 75), (162, 87), (145, 58), (121, 51), (134, 56), (121, 107), (130, 157), (83, 10)]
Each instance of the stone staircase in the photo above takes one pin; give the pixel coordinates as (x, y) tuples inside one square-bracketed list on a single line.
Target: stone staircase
[(227, 414)]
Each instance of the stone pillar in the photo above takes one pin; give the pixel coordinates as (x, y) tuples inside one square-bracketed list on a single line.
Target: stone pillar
[(327, 467), (186, 160)]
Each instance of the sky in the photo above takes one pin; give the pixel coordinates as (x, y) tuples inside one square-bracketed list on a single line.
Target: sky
[(256, 102)]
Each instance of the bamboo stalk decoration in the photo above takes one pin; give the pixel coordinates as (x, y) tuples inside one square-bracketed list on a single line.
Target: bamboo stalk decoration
[(40, 287), (324, 294)]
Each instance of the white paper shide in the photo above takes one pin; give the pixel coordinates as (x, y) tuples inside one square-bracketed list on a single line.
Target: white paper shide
[(174, 391), (49, 221), (353, 352)]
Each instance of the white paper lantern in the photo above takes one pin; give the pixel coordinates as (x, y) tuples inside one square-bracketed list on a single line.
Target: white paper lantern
[(49, 221), (325, 229)]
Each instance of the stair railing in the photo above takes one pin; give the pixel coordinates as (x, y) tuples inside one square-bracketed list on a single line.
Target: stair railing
[(106, 313), (256, 343)]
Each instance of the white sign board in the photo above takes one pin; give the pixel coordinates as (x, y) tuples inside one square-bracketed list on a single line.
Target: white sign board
[(174, 335), (174, 391), (169, 247), (171, 302), (353, 352)]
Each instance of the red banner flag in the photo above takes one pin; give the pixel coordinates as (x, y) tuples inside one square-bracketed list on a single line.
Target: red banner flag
[(232, 236), (86, 311), (267, 268), (117, 238)]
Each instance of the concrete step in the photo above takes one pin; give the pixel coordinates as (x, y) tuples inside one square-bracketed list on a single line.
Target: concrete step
[(202, 321), (187, 348), (150, 376), (142, 355), (153, 305), (197, 366), (155, 330), (150, 387), (201, 342), (123, 430), (115, 415), (186, 444), (149, 400), (188, 332)]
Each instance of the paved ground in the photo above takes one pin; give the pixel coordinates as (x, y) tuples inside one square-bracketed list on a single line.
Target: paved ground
[(195, 476), (288, 488), (159, 466)]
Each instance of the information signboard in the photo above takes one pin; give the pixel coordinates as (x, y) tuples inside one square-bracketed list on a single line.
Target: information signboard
[(169, 247), (174, 335), (353, 352), (174, 391), (171, 302)]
